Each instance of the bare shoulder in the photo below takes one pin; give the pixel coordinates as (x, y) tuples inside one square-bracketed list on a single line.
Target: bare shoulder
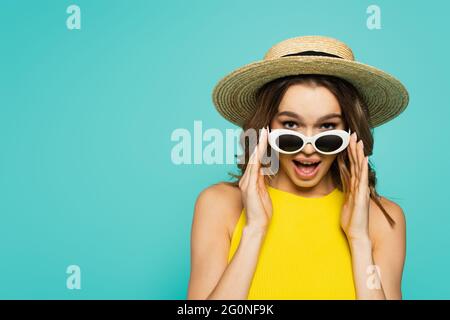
[(220, 196), (220, 202), (379, 226), (394, 210)]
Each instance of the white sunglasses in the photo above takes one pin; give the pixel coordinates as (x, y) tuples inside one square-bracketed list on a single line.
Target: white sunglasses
[(327, 142)]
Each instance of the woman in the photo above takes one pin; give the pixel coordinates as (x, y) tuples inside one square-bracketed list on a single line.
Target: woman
[(316, 228)]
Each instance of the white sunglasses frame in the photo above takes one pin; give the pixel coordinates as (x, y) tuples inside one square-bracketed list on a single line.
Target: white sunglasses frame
[(275, 133)]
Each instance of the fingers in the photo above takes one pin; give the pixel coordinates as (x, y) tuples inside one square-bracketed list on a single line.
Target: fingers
[(359, 163), (358, 158), (254, 162), (243, 183), (359, 155), (263, 194), (364, 167), (256, 165), (352, 158), (263, 142), (364, 181)]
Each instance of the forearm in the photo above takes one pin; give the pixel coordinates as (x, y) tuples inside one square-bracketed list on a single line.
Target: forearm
[(236, 279), (365, 273)]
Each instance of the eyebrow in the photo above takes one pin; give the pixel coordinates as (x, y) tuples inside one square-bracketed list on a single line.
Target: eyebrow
[(300, 118)]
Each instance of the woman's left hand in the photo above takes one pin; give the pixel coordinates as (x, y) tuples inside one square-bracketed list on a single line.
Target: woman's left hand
[(355, 211)]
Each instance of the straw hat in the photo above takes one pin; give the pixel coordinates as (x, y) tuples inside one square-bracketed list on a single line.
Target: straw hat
[(234, 96)]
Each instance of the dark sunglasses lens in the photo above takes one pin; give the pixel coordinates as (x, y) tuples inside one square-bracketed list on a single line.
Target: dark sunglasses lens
[(329, 143), (289, 143)]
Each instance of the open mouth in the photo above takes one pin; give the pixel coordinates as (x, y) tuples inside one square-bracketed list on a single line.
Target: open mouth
[(306, 169)]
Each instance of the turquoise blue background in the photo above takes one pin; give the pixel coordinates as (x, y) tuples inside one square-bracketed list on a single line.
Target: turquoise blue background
[(86, 116)]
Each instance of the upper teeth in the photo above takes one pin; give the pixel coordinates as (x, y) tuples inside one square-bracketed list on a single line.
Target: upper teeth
[(306, 162)]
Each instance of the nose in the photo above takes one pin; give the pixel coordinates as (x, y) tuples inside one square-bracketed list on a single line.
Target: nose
[(308, 149)]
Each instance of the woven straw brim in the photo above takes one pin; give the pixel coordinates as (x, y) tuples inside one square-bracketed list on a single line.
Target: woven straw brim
[(234, 96)]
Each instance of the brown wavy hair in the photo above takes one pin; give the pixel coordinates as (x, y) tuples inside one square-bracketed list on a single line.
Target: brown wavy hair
[(355, 115)]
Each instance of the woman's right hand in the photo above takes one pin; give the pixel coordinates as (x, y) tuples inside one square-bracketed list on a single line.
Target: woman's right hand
[(256, 199)]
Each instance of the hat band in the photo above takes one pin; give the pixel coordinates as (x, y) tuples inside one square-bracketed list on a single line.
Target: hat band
[(312, 53)]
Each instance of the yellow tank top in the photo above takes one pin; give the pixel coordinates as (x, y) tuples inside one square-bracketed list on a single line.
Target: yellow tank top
[(305, 254)]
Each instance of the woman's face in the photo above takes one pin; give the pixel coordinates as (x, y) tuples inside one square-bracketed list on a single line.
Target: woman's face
[(308, 110)]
